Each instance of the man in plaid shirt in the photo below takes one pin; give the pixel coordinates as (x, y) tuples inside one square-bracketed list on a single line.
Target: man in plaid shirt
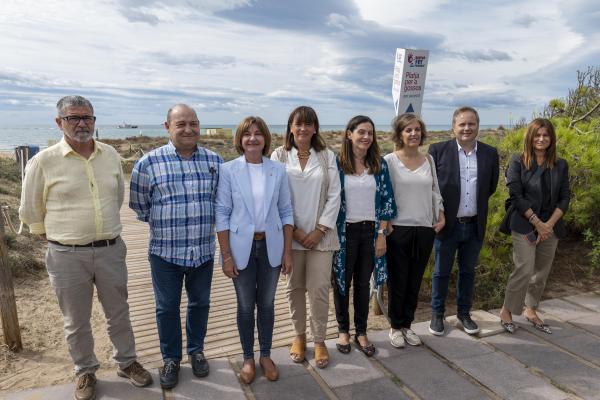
[(173, 189)]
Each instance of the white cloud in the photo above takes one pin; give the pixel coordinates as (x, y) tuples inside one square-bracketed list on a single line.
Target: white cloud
[(135, 56)]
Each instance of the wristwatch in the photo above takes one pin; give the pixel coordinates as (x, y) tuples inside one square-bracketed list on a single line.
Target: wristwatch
[(384, 231)]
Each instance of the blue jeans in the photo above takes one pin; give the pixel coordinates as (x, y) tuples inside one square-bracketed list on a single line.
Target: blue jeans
[(462, 240), (167, 281), (255, 286)]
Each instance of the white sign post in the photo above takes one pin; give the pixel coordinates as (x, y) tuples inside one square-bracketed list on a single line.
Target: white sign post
[(410, 70)]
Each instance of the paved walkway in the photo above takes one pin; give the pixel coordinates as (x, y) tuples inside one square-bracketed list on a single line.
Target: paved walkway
[(527, 365)]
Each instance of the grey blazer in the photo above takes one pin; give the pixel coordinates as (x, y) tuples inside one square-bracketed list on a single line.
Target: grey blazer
[(525, 192)]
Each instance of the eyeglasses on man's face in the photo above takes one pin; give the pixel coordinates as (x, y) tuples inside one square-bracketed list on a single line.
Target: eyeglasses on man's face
[(74, 119)]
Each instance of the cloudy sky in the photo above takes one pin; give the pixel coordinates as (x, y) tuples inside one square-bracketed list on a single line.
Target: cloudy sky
[(232, 58)]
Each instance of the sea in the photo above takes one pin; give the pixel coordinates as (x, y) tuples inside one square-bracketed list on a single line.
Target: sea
[(40, 135)]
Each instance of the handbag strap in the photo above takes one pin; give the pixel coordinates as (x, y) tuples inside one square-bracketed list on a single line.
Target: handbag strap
[(433, 182)]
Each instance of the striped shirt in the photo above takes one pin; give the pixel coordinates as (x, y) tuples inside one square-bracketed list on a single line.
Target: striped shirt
[(176, 197)]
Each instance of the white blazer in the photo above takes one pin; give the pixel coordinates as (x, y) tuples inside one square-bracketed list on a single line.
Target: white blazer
[(235, 209)]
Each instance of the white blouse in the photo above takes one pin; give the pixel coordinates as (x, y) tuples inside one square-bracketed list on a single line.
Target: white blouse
[(257, 183), (360, 197), (305, 188), (413, 192)]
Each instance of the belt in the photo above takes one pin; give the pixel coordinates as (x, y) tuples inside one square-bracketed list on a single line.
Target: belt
[(361, 223), (467, 220), (96, 243), (259, 235)]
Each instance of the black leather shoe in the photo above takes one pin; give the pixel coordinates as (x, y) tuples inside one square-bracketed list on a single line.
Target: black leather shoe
[(436, 327), (169, 375), (468, 324), (199, 364)]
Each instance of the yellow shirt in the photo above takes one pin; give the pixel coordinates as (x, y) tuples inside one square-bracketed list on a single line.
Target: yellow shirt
[(70, 199)]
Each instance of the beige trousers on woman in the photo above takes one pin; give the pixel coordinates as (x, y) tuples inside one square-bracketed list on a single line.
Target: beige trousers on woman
[(532, 267), (312, 274)]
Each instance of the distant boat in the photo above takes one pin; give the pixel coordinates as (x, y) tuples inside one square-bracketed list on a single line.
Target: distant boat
[(126, 126)]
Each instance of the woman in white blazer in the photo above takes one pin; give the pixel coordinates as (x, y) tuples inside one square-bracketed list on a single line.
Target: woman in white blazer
[(254, 222)]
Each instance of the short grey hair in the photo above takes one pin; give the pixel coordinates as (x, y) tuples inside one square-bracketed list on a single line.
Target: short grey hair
[(72, 101), (179, 105)]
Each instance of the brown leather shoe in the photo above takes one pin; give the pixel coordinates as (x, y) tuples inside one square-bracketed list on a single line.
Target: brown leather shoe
[(269, 369), (248, 371), (136, 374), (85, 389)]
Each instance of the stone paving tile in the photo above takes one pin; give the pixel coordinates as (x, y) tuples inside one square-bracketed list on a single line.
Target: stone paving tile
[(564, 310), (507, 378), (346, 369), (481, 361), (564, 369), (589, 300), (429, 377), (295, 382), (382, 388), (220, 384), (296, 387), (590, 324), (455, 344), (567, 336), (109, 387)]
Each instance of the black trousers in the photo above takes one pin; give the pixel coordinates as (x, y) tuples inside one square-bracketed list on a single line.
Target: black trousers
[(408, 250), (360, 253)]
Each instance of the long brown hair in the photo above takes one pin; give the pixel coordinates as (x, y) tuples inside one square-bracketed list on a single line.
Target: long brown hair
[(373, 158), (306, 115), (528, 149)]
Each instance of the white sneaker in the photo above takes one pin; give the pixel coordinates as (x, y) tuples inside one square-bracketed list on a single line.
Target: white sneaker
[(396, 338), (411, 337)]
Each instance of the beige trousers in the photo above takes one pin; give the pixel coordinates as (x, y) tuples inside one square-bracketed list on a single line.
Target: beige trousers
[(311, 274), (74, 271), (532, 267)]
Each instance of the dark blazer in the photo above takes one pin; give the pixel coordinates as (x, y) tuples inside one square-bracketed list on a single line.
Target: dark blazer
[(525, 192), (445, 155)]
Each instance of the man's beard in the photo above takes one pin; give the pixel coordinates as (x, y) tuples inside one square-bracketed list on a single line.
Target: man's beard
[(82, 136)]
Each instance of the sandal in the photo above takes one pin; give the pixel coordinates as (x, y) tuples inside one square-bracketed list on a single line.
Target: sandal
[(509, 327), (298, 349), (344, 348), (369, 349), (321, 355), (540, 325)]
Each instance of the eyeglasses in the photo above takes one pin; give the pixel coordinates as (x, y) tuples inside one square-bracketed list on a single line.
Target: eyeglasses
[(74, 119)]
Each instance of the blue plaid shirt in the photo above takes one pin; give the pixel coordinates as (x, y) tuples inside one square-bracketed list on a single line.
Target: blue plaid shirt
[(176, 197)]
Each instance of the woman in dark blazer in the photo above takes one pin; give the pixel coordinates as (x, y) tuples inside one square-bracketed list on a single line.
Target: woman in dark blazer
[(538, 184)]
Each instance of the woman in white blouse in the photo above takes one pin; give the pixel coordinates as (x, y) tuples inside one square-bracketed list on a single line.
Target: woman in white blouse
[(315, 188), (367, 206), (420, 215)]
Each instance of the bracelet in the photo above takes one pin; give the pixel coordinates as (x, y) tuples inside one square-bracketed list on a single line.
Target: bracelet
[(321, 229), (226, 259), (532, 217)]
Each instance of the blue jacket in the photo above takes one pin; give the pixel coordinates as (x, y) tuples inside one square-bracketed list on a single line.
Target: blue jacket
[(235, 209)]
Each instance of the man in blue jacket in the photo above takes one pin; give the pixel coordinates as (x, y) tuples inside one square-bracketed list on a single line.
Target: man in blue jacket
[(467, 171)]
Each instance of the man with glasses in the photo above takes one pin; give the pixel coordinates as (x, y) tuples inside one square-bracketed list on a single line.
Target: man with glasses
[(173, 189), (72, 193)]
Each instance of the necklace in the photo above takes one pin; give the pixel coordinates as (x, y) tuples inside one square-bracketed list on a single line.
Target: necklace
[(303, 154)]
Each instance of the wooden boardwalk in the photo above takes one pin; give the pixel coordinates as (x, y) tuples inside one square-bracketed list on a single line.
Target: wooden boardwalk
[(222, 338)]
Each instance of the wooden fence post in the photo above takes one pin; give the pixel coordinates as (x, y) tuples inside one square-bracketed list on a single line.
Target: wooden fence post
[(8, 305)]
